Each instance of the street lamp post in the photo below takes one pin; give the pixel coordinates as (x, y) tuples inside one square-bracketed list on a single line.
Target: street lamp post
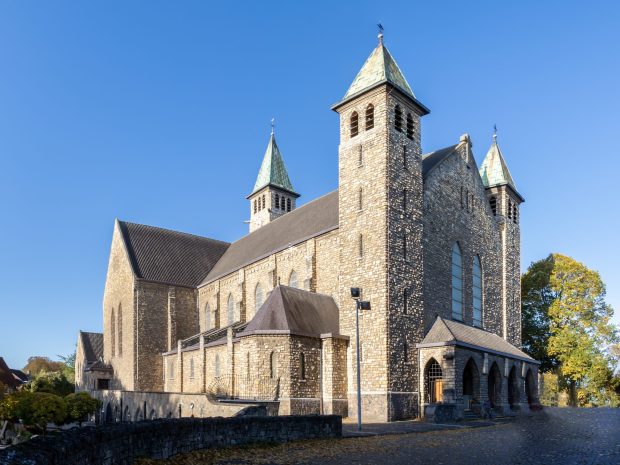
[(359, 305)]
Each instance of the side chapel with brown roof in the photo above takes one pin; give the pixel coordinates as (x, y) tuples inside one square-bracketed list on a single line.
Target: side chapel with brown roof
[(432, 240)]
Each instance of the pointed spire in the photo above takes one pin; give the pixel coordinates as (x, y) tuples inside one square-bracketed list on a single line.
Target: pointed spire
[(494, 170), (272, 170)]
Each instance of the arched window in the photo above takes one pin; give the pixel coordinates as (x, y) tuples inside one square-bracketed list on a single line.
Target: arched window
[(405, 352), (259, 297), (477, 291), (231, 309), (208, 323), (360, 200), (264, 203), (120, 330), (360, 246), (273, 365), (457, 282), (255, 206), (354, 124), (409, 126), (493, 204), (217, 365), (292, 279), (398, 118), (434, 382), (302, 365), (191, 368), (113, 331), (370, 116), (509, 209), (277, 201), (288, 204), (514, 212), (171, 369)]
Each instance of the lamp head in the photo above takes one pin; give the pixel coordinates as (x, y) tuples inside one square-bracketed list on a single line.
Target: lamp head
[(364, 305), (356, 292)]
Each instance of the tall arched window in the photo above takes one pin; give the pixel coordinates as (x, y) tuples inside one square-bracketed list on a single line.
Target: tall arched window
[(493, 204), (273, 365), (457, 282), (434, 382), (208, 323), (120, 330), (370, 116), (259, 297), (230, 309), (302, 365), (354, 124), (278, 201), (292, 279), (409, 126), (264, 202), (360, 246), (477, 291), (509, 209), (398, 118), (113, 331), (288, 204), (217, 365), (254, 205), (514, 212)]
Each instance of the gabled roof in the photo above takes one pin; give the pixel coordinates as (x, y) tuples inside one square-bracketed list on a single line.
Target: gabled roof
[(170, 257), (19, 375), (272, 171), (432, 159), (494, 170), (380, 67), (288, 310), (449, 332), (310, 220), (92, 344), (6, 377)]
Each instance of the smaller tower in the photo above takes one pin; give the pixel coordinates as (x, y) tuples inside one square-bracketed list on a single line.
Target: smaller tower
[(273, 194), (504, 200)]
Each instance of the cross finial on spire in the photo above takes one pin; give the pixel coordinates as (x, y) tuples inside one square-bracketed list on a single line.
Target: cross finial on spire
[(495, 133), (273, 126), (380, 27)]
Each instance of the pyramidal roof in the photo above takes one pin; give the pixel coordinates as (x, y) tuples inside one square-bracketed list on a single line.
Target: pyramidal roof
[(494, 171), (272, 171)]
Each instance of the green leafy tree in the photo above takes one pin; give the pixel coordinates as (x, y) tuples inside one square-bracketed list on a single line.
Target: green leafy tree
[(81, 404), (566, 325), (9, 406), (38, 409), (69, 368), (51, 382)]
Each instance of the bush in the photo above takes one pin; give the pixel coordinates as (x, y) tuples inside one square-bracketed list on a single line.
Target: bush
[(81, 404), (51, 382), (34, 409)]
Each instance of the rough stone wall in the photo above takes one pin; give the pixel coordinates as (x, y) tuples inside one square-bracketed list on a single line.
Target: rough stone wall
[(335, 376), (121, 444), (368, 269), (456, 210), (119, 292), (327, 272), (209, 295), (261, 273)]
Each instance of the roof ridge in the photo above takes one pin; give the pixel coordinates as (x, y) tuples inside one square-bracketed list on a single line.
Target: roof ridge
[(447, 327), (173, 231)]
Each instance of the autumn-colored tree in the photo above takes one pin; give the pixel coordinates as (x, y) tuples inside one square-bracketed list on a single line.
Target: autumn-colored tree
[(566, 325), (81, 404), (38, 364)]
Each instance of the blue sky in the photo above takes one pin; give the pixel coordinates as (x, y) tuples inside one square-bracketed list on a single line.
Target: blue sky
[(158, 112)]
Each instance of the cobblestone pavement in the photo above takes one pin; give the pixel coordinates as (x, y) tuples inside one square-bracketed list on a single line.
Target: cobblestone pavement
[(554, 436)]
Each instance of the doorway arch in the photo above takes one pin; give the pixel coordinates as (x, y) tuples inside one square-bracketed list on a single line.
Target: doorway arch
[(471, 383), (433, 377), (513, 388), (109, 415), (494, 385), (530, 387)]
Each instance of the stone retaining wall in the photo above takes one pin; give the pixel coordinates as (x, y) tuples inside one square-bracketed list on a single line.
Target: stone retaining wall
[(122, 443)]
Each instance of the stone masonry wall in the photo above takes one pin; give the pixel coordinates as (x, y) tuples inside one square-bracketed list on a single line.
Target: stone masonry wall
[(122, 443)]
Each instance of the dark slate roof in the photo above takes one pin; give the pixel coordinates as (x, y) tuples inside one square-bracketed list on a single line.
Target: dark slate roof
[(92, 343), (294, 311), (449, 332), (430, 160), (6, 377), (170, 257), (20, 375), (309, 220)]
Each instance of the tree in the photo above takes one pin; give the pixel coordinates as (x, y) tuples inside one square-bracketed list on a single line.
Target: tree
[(51, 382), (566, 325), (38, 409), (38, 364), (81, 404), (69, 366)]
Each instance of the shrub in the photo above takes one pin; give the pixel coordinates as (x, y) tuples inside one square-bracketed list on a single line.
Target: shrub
[(81, 404)]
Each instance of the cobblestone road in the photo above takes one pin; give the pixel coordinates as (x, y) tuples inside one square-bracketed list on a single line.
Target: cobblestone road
[(554, 436)]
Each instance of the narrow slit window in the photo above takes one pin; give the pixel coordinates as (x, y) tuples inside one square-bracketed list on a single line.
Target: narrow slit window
[(354, 124), (360, 156), (405, 158), (370, 116), (302, 366), (409, 126), (405, 200), (360, 200), (398, 118), (288, 204), (405, 302), (509, 209), (360, 246), (277, 201), (255, 206), (493, 204), (457, 283), (405, 247), (514, 213), (477, 291)]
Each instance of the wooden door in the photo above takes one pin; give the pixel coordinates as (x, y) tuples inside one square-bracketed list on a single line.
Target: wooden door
[(438, 390)]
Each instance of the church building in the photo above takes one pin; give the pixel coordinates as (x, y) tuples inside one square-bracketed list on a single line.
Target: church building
[(431, 240)]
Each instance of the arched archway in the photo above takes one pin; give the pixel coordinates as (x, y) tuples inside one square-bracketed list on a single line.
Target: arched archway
[(109, 414), (152, 415), (126, 414), (433, 380), (471, 383), (138, 414), (530, 387), (494, 388), (513, 388)]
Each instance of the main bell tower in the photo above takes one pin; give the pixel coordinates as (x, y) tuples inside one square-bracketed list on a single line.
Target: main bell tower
[(380, 217)]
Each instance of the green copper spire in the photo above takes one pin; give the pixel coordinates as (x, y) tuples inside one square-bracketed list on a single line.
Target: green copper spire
[(379, 67), (272, 171), (494, 171)]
